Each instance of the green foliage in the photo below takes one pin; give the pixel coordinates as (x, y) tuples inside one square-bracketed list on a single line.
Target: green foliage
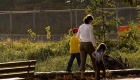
[(129, 2), (138, 17), (49, 49), (112, 46), (32, 34), (55, 63), (24, 49), (103, 22), (48, 32), (52, 56), (130, 39), (63, 46), (132, 59), (70, 32)]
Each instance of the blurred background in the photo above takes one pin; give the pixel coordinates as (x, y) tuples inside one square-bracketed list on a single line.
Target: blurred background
[(18, 16)]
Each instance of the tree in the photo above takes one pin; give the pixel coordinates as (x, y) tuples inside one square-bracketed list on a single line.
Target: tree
[(104, 23), (130, 2)]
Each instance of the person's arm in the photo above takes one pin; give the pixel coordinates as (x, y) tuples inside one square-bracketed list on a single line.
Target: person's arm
[(78, 34), (101, 56), (92, 38), (93, 54), (78, 40)]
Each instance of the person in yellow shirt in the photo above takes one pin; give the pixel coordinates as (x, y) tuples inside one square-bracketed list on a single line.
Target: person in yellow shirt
[(74, 50)]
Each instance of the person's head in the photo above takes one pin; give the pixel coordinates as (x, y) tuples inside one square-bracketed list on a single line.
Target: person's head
[(88, 19), (102, 46), (75, 30)]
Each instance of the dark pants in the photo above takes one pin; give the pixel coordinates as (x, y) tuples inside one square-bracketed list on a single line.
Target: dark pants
[(72, 57), (86, 48), (99, 66)]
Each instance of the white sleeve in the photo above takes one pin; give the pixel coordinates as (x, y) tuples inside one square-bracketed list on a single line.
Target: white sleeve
[(92, 38), (78, 34)]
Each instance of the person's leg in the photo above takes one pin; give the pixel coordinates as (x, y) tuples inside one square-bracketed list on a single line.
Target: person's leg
[(78, 59), (83, 56), (93, 62), (103, 69), (70, 62), (90, 49), (97, 72)]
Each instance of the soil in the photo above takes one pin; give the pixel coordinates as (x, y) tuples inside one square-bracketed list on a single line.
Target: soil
[(77, 77)]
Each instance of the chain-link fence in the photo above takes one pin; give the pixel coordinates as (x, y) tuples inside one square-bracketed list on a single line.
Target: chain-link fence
[(16, 23)]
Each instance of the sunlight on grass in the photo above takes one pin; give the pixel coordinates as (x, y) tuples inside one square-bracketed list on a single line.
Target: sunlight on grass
[(52, 56), (58, 64), (53, 64)]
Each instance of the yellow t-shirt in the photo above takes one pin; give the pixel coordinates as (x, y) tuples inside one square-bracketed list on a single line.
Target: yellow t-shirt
[(74, 44)]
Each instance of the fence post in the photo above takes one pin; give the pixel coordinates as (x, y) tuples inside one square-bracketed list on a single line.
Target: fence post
[(76, 17), (71, 18), (11, 24), (117, 16), (34, 19)]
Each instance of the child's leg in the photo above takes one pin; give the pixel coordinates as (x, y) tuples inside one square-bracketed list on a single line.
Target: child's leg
[(70, 62), (103, 69), (97, 72), (77, 55)]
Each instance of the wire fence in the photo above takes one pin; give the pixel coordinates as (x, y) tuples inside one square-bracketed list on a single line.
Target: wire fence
[(15, 24)]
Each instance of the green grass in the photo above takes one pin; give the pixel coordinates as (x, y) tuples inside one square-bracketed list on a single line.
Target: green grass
[(133, 59), (57, 63), (53, 64), (51, 56)]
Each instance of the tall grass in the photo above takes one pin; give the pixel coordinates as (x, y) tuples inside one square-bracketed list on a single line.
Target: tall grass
[(51, 56), (133, 58)]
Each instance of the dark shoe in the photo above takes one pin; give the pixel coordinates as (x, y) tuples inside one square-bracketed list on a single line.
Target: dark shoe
[(68, 70)]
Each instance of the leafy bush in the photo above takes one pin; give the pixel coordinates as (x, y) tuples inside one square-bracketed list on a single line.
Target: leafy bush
[(53, 56), (130, 39)]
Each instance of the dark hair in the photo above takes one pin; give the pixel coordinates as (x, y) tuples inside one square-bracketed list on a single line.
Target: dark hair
[(88, 18), (102, 46)]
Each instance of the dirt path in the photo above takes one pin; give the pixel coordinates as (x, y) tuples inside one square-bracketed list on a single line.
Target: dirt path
[(129, 79)]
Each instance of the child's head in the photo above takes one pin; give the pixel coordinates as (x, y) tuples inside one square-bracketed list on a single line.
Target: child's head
[(102, 46), (75, 30)]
